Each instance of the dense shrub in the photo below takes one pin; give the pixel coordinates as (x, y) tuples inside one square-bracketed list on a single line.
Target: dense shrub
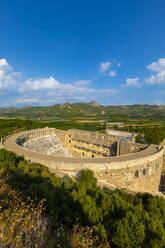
[(125, 220)]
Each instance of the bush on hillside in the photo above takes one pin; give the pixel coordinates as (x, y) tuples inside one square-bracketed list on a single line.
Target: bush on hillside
[(125, 220)]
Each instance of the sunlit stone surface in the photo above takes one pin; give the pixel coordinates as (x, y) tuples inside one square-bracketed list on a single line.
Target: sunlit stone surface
[(49, 144)]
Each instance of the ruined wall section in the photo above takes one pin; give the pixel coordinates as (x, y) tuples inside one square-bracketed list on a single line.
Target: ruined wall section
[(163, 166), (91, 144), (162, 180), (139, 175), (127, 147)]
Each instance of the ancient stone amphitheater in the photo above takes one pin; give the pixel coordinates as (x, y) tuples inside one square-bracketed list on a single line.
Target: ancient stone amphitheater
[(116, 161)]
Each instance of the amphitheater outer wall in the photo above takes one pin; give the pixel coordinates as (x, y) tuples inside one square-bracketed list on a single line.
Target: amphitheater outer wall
[(139, 171)]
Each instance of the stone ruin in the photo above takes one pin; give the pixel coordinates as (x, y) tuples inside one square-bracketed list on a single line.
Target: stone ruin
[(116, 161)]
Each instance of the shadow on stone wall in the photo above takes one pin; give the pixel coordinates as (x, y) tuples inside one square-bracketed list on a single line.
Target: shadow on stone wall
[(162, 183)]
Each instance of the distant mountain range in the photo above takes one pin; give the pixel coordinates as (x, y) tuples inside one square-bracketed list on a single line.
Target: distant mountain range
[(85, 110)]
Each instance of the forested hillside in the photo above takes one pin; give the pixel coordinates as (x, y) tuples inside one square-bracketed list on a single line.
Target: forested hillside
[(87, 216), (92, 109)]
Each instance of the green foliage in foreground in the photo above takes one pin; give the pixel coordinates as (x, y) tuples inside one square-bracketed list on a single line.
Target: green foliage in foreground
[(23, 224), (126, 220)]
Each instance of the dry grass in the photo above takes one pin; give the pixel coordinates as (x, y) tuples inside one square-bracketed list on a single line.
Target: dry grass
[(21, 224), (86, 237)]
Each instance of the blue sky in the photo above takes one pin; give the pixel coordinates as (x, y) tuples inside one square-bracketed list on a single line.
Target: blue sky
[(112, 51)]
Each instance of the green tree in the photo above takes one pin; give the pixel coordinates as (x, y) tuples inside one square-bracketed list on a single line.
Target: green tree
[(87, 177), (129, 231)]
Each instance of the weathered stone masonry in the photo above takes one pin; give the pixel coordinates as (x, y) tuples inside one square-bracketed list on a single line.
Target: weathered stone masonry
[(139, 170)]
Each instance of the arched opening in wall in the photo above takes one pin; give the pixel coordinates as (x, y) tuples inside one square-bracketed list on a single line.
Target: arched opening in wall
[(83, 154), (69, 141), (156, 167), (144, 172), (93, 156), (137, 174)]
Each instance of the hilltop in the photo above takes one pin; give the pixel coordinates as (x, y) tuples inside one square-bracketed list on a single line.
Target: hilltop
[(85, 110)]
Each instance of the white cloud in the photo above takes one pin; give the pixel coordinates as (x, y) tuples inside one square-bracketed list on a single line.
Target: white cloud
[(44, 90), (104, 67), (63, 92), (131, 82), (4, 63), (157, 79), (159, 68), (158, 102), (118, 64), (82, 82), (40, 84), (1, 74), (8, 78), (26, 100), (112, 73)]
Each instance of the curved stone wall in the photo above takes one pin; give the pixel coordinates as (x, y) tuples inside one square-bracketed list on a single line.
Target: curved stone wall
[(139, 171)]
